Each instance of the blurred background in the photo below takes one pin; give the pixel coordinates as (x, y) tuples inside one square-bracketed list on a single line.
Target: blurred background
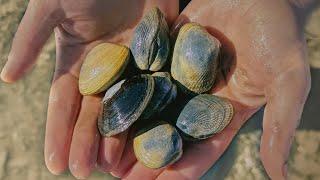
[(23, 108)]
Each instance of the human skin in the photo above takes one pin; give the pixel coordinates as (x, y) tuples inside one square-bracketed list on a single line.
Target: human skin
[(72, 139), (264, 57), (264, 42)]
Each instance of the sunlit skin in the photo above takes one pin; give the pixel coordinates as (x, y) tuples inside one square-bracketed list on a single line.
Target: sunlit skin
[(267, 49), (71, 137), (264, 54)]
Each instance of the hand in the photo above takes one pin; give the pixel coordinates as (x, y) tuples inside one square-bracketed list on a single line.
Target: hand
[(263, 42), (71, 133)]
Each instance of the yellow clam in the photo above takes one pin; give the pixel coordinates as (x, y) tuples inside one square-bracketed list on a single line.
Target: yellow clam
[(103, 65), (157, 145), (195, 59)]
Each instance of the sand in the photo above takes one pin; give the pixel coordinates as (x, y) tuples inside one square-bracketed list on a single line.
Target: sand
[(23, 114)]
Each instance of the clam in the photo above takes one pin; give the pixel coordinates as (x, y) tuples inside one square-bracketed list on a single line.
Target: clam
[(162, 74), (164, 93), (158, 145), (150, 42), (102, 67), (173, 92), (123, 104), (195, 59), (205, 115)]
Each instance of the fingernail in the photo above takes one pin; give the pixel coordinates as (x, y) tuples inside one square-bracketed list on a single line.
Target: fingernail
[(114, 175), (4, 67), (2, 73), (53, 165), (74, 168), (100, 169), (285, 170), (103, 167)]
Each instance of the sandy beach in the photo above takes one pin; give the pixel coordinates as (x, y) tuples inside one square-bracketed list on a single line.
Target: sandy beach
[(23, 107)]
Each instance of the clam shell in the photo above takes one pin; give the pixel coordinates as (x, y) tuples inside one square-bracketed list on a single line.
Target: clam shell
[(161, 95), (124, 103), (169, 99), (205, 115), (102, 67), (150, 42), (158, 146), (164, 93), (162, 74), (195, 59), (173, 92)]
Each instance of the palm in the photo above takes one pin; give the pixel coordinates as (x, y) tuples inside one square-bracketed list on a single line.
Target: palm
[(88, 25), (71, 134), (264, 55)]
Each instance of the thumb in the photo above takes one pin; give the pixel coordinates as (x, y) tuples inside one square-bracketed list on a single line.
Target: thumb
[(285, 103), (34, 30)]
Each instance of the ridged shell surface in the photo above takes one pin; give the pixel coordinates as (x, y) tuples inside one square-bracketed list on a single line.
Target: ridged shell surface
[(195, 58), (103, 65), (162, 74), (124, 103), (158, 146), (150, 42), (162, 95), (205, 115), (173, 93)]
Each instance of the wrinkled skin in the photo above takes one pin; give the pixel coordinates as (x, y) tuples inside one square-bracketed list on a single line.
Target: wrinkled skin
[(265, 61), (72, 138), (263, 41)]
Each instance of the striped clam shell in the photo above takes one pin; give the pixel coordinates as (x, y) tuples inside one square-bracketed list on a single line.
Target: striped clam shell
[(205, 115), (124, 103), (195, 59), (164, 93), (150, 42), (103, 65)]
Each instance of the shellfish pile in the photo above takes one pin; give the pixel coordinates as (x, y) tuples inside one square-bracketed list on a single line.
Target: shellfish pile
[(142, 100)]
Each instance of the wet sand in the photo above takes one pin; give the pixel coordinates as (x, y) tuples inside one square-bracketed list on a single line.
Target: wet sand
[(23, 114)]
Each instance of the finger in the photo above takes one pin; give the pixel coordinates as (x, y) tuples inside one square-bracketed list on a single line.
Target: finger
[(64, 103), (110, 151), (139, 171), (85, 139), (63, 108), (128, 158), (198, 158), (285, 102), (34, 30)]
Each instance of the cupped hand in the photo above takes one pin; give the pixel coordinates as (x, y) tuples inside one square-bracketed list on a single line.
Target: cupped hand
[(264, 56), (72, 138)]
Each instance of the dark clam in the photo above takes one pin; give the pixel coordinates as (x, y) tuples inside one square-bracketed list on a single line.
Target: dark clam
[(124, 103), (205, 115), (150, 43), (164, 93)]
